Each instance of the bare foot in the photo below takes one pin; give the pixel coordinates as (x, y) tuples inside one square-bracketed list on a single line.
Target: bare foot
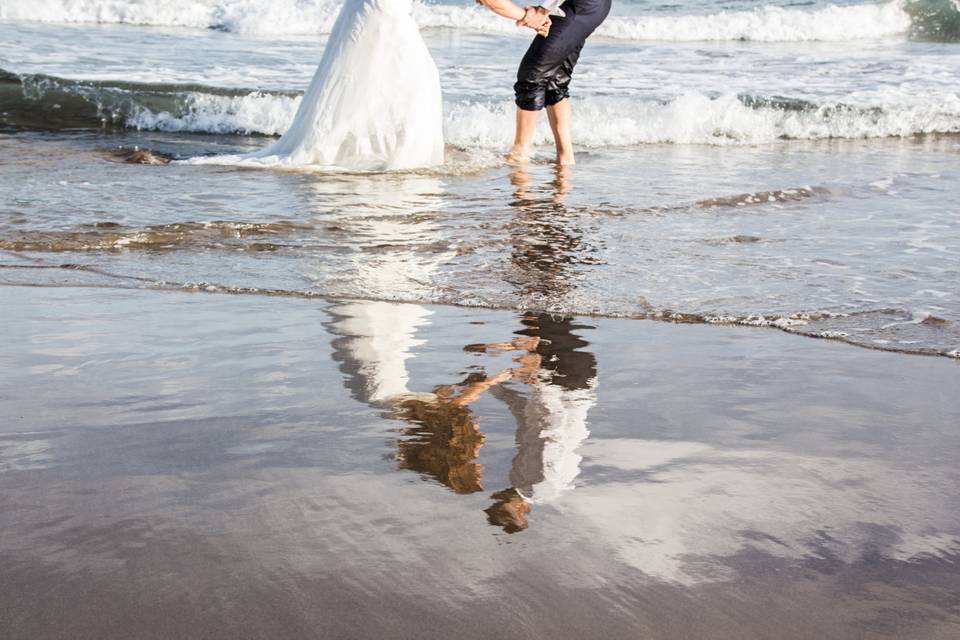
[(566, 160), (518, 154)]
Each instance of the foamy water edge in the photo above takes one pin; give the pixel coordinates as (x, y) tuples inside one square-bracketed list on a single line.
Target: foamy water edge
[(295, 17)]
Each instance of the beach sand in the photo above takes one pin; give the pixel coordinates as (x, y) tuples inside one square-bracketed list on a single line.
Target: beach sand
[(196, 465)]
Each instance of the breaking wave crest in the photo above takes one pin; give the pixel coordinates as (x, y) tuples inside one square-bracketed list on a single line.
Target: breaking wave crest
[(46, 102), (925, 19)]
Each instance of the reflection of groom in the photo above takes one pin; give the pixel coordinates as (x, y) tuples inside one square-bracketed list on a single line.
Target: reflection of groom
[(543, 79), (551, 418)]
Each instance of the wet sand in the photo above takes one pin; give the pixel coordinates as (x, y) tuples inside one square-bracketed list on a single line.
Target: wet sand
[(192, 465)]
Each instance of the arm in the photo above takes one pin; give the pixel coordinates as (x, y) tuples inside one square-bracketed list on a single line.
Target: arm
[(474, 390), (505, 8)]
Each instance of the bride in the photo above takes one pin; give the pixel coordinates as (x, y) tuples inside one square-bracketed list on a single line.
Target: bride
[(374, 102)]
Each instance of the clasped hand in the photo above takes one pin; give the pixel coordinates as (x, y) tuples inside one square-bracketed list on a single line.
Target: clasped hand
[(535, 19)]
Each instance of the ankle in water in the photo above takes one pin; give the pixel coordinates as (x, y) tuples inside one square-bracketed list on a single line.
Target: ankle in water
[(518, 154)]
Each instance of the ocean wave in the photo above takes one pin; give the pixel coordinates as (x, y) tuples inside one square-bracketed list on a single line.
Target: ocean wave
[(935, 20), (46, 102), (694, 118), (239, 16), (926, 19), (769, 24)]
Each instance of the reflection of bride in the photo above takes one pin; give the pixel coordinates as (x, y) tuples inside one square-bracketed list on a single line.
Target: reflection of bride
[(374, 344), (375, 339), (374, 103), (443, 439)]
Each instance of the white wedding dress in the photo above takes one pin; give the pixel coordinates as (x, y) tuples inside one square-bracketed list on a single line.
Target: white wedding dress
[(374, 103)]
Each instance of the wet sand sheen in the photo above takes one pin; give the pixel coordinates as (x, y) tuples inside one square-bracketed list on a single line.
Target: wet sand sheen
[(176, 465)]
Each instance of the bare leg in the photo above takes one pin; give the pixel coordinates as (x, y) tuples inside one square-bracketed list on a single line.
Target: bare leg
[(561, 119), (523, 138)]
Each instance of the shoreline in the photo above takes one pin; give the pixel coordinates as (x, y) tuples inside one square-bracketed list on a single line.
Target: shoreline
[(776, 322)]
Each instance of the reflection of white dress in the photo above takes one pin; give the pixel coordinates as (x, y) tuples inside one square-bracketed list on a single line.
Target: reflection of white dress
[(551, 427), (560, 416), (378, 341), (374, 103)]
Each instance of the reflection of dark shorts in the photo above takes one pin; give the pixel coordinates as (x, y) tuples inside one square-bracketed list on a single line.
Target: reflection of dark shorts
[(543, 78)]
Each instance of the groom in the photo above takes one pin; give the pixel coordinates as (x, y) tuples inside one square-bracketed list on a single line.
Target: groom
[(543, 78)]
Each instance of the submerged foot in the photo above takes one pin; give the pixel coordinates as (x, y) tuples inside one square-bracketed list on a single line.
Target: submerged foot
[(517, 155)]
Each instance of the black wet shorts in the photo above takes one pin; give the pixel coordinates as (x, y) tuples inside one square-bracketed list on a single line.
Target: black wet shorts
[(543, 78)]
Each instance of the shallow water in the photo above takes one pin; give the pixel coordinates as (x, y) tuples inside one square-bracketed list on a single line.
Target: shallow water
[(779, 165), (855, 240), (188, 465)]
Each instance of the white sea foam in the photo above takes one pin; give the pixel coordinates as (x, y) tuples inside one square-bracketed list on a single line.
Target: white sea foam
[(241, 16), (601, 122), (768, 24), (205, 113)]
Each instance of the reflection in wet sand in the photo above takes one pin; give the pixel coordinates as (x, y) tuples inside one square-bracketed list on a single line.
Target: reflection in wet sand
[(234, 485), (552, 416), (547, 244), (443, 440)]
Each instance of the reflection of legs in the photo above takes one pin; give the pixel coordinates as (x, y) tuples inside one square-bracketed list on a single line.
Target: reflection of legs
[(562, 182)]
